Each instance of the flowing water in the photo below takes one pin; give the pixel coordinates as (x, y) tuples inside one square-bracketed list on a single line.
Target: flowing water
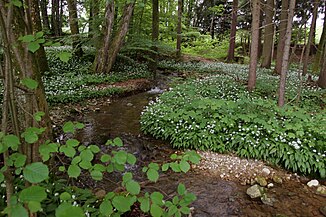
[(215, 197)]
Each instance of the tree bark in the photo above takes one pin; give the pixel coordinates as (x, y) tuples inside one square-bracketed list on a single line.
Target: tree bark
[(45, 16), (322, 76), (268, 35), (281, 37), (254, 44), (285, 59), (55, 17), (74, 29), (42, 61), (322, 42), (155, 34), (233, 31), (108, 53), (311, 36), (179, 25), (93, 16)]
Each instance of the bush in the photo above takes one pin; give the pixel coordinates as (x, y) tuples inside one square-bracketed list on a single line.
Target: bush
[(217, 113)]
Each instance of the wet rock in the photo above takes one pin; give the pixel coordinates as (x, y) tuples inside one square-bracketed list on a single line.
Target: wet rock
[(267, 200), (277, 179), (255, 191), (266, 172), (323, 210), (129, 104), (321, 190), (261, 181), (313, 183), (270, 185)]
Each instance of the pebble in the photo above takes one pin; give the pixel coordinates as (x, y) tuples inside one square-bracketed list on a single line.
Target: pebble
[(313, 183), (277, 179), (270, 185), (266, 172), (321, 190), (261, 181), (255, 191), (129, 104)]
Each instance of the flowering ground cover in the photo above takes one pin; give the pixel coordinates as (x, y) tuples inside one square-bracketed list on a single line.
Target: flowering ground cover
[(218, 113)]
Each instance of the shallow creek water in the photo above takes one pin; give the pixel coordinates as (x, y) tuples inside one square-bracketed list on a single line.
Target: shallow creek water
[(215, 197)]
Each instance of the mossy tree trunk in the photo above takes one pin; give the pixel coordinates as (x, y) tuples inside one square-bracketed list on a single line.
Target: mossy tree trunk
[(268, 35), (230, 57), (74, 29)]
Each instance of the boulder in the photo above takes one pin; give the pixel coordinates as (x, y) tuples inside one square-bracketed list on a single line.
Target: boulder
[(255, 191)]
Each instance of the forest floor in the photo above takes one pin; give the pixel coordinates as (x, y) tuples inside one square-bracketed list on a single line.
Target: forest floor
[(220, 181)]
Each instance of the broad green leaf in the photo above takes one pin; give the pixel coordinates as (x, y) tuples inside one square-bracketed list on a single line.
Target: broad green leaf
[(118, 142), (72, 142), (36, 172), (175, 167), (85, 164), (157, 198), (184, 166), (76, 160), (33, 193), (27, 38), (79, 125), (185, 210), (156, 211), (154, 166), (121, 203), (67, 210), (30, 137), (40, 41), (99, 167), (97, 175), (165, 167), (68, 151), (65, 196), (11, 141), (127, 177), (64, 56), (94, 148), (133, 187), (120, 157), (74, 171), (181, 189), (38, 116), (20, 160), (16, 3), (29, 83), (174, 156), (68, 127), (62, 168), (175, 200), (144, 204), (131, 159), (105, 158), (34, 206), (33, 46), (152, 175), (39, 34), (172, 210), (86, 155), (106, 208), (18, 211)]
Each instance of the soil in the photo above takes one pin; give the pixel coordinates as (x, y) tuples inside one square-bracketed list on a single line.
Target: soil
[(220, 181)]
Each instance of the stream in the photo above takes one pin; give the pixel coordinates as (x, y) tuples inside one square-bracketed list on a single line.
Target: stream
[(215, 196)]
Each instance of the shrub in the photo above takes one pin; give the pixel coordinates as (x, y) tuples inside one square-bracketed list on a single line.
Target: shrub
[(218, 114)]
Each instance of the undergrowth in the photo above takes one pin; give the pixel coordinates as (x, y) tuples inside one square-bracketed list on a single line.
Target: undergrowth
[(217, 113)]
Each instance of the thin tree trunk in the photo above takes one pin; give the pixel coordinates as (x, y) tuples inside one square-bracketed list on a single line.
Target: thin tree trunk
[(55, 17), (254, 44), (102, 54), (317, 61), (45, 16), (42, 61), (155, 34), (179, 25), (322, 76), (93, 25), (233, 31), (311, 36), (73, 22), (281, 37), (285, 59), (268, 35)]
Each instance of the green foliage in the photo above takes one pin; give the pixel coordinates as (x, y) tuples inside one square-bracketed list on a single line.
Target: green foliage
[(217, 113), (49, 197)]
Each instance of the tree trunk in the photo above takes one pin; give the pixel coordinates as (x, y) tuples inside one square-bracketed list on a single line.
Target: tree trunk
[(281, 37), (268, 35), (311, 36), (179, 25), (322, 76), (155, 34), (45, 16), (322, 42), (55, 18), (233, 31), (93, 25), (108, 53), (74, 29), (42, 61), (285, 59), (254, 44)]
